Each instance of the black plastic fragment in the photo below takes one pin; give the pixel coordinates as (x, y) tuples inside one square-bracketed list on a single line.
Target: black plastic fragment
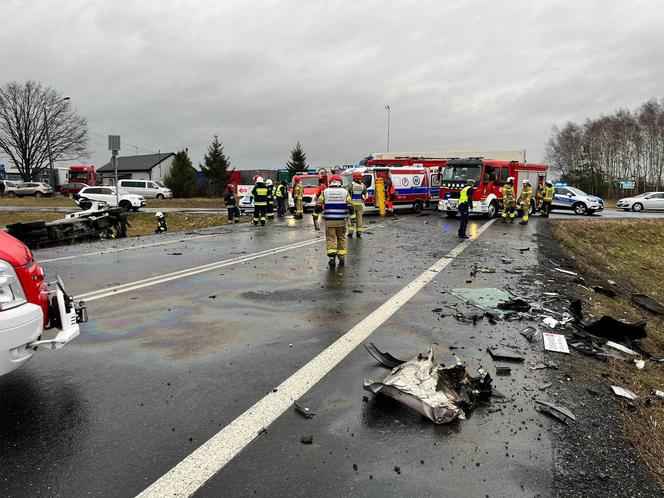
[(607, 326), (649, 303), (385, 359), (503, 354)]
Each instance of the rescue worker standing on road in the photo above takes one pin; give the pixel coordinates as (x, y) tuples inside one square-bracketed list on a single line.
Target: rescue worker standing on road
[(336, 205), (298, 194), (524, 201), (269, 212), (390, 195), (282, 197), (464, 207), (547, 199), (509, 201), (319, 190), (259, 194), (231, 204), (358, 192)]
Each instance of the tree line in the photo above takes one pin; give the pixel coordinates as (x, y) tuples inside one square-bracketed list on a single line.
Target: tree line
[(600, 154)]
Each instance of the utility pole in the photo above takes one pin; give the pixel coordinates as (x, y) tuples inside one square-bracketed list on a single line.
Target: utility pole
[(387, 107), (114, 147)]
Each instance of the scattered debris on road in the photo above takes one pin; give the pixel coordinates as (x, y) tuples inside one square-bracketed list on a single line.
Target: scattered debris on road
[(304, 411), (555, 342), (503, 354), (440, 393), (385, 359), (532, 334), (607, 326), (604, 291), (307, 439), (649, 303), (623, 393), (558, 412)]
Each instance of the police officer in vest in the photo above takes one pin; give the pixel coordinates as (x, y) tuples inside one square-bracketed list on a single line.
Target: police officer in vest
[(547, 199), (358, 192), (259, 193), (464, 206), (282, 197), (336, 205)]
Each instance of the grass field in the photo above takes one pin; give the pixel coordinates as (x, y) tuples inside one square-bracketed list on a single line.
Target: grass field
[(631, 253), (192, 202), (141, 223)]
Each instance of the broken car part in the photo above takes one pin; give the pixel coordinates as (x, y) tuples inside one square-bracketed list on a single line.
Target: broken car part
[(649, 303), (503, 354), (440, 393), (385, 359), (304, 411), (607, 326), (559, 412), (603, 290), (623, 393), (531, 333)]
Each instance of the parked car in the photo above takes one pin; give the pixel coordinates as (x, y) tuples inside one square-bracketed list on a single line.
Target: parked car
[(146, 188), (71, 188), (125, 200), (10, 188), (29, 306), (37, 189), (571, 198), (647, 201)]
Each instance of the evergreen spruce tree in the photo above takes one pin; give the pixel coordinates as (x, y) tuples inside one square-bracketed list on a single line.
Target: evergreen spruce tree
[(298, 161), (181, 179), (215, 167)]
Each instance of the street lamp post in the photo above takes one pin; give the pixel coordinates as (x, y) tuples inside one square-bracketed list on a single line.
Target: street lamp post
[(387, 107), (48, 143)]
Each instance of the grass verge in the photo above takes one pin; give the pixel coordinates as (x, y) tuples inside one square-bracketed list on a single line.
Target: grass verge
[(141, 223), (193, 202), (631, 254)]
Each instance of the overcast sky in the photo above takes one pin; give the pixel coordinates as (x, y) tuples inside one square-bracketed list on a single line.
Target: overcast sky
[(168, 74)]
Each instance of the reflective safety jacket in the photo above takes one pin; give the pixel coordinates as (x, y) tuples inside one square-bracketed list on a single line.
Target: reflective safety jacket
[(466, 196), (281, 191), (270, 195), (358, 192), (526, 195), (508, 195), (337, 205), (548, 194), (229, 198), (259, 193), (298, 191)]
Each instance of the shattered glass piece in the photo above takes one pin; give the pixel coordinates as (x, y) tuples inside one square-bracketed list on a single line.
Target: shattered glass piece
[(486, 298)]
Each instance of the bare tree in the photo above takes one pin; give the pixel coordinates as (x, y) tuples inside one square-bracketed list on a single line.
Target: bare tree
[(29, 114)]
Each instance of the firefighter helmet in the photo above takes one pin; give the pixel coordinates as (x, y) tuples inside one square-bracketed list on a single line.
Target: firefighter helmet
[(336, 179), (549, 183), (259, 179), (268, 182), (357, 175), (510, 179), (159, 214), (470, 182), (297, 179)]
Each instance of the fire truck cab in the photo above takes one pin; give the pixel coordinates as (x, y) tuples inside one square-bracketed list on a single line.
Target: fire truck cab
[(489, 176)]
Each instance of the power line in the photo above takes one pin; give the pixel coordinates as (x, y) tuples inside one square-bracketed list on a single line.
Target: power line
[(137, 147)]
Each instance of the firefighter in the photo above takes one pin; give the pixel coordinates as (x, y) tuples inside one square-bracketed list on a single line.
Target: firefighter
[(259, 194), (390, 195), (524, 201), (336, 205), (231, 204), (509, 201), (358, 192), (161, 223), (319, 190), (464, 207), (282, 197), (269, 212), (298, 193), (547, 198)]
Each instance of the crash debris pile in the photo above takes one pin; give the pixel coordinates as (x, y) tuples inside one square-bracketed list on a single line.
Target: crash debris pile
[(440, 393)]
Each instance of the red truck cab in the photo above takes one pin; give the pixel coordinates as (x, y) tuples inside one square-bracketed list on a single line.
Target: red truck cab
[(82, 173)]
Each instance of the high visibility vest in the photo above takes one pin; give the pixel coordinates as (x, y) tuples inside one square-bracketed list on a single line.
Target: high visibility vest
[(357, 192), (335, 203), (548, 194), (280, 190), (259, 193), (463, 196)]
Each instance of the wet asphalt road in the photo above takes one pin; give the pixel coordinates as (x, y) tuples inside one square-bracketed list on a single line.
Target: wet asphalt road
[(159, 370)]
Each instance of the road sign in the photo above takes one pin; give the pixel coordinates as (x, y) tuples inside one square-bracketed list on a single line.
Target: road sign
[(114, 142), (626, 184)]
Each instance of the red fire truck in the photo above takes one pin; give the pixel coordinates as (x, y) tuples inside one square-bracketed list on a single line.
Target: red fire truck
[(489, 176)]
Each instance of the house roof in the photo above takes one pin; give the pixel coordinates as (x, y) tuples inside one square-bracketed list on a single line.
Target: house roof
[(144, 162)]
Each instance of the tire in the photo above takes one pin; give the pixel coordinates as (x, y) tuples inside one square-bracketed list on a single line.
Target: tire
[(417, 207), (492, 212), (160, 196), (451, 214), (126, 205), (637, 207), (579, 208), (11, 194), (38, 194)]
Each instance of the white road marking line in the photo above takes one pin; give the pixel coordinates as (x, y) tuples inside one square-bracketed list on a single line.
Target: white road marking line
[(121, 249), (167, 277), (194, 471)]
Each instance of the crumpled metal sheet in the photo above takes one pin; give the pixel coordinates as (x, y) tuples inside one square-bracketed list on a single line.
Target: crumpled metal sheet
[(437, 392)]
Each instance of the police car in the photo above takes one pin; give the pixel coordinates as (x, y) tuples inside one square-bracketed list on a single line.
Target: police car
[(573, 199)]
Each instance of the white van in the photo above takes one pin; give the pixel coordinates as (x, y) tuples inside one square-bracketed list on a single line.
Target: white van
[(146, 188)]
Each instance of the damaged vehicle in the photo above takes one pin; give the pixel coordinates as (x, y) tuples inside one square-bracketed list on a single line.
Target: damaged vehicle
[(441, 393), (30, 307)]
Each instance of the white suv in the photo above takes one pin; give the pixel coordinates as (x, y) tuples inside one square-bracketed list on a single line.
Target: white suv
[(125, 200), (146, 188)]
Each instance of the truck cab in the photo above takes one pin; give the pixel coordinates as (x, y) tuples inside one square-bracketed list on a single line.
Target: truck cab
[(82, 173), (310, 184)]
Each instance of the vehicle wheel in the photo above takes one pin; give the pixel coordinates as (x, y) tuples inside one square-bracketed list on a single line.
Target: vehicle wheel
[(579, 208), (417, 207), (11, 194), (160, 196), (38, 194), (126, 205), (451, 214), (637, 207), (492, 211)]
